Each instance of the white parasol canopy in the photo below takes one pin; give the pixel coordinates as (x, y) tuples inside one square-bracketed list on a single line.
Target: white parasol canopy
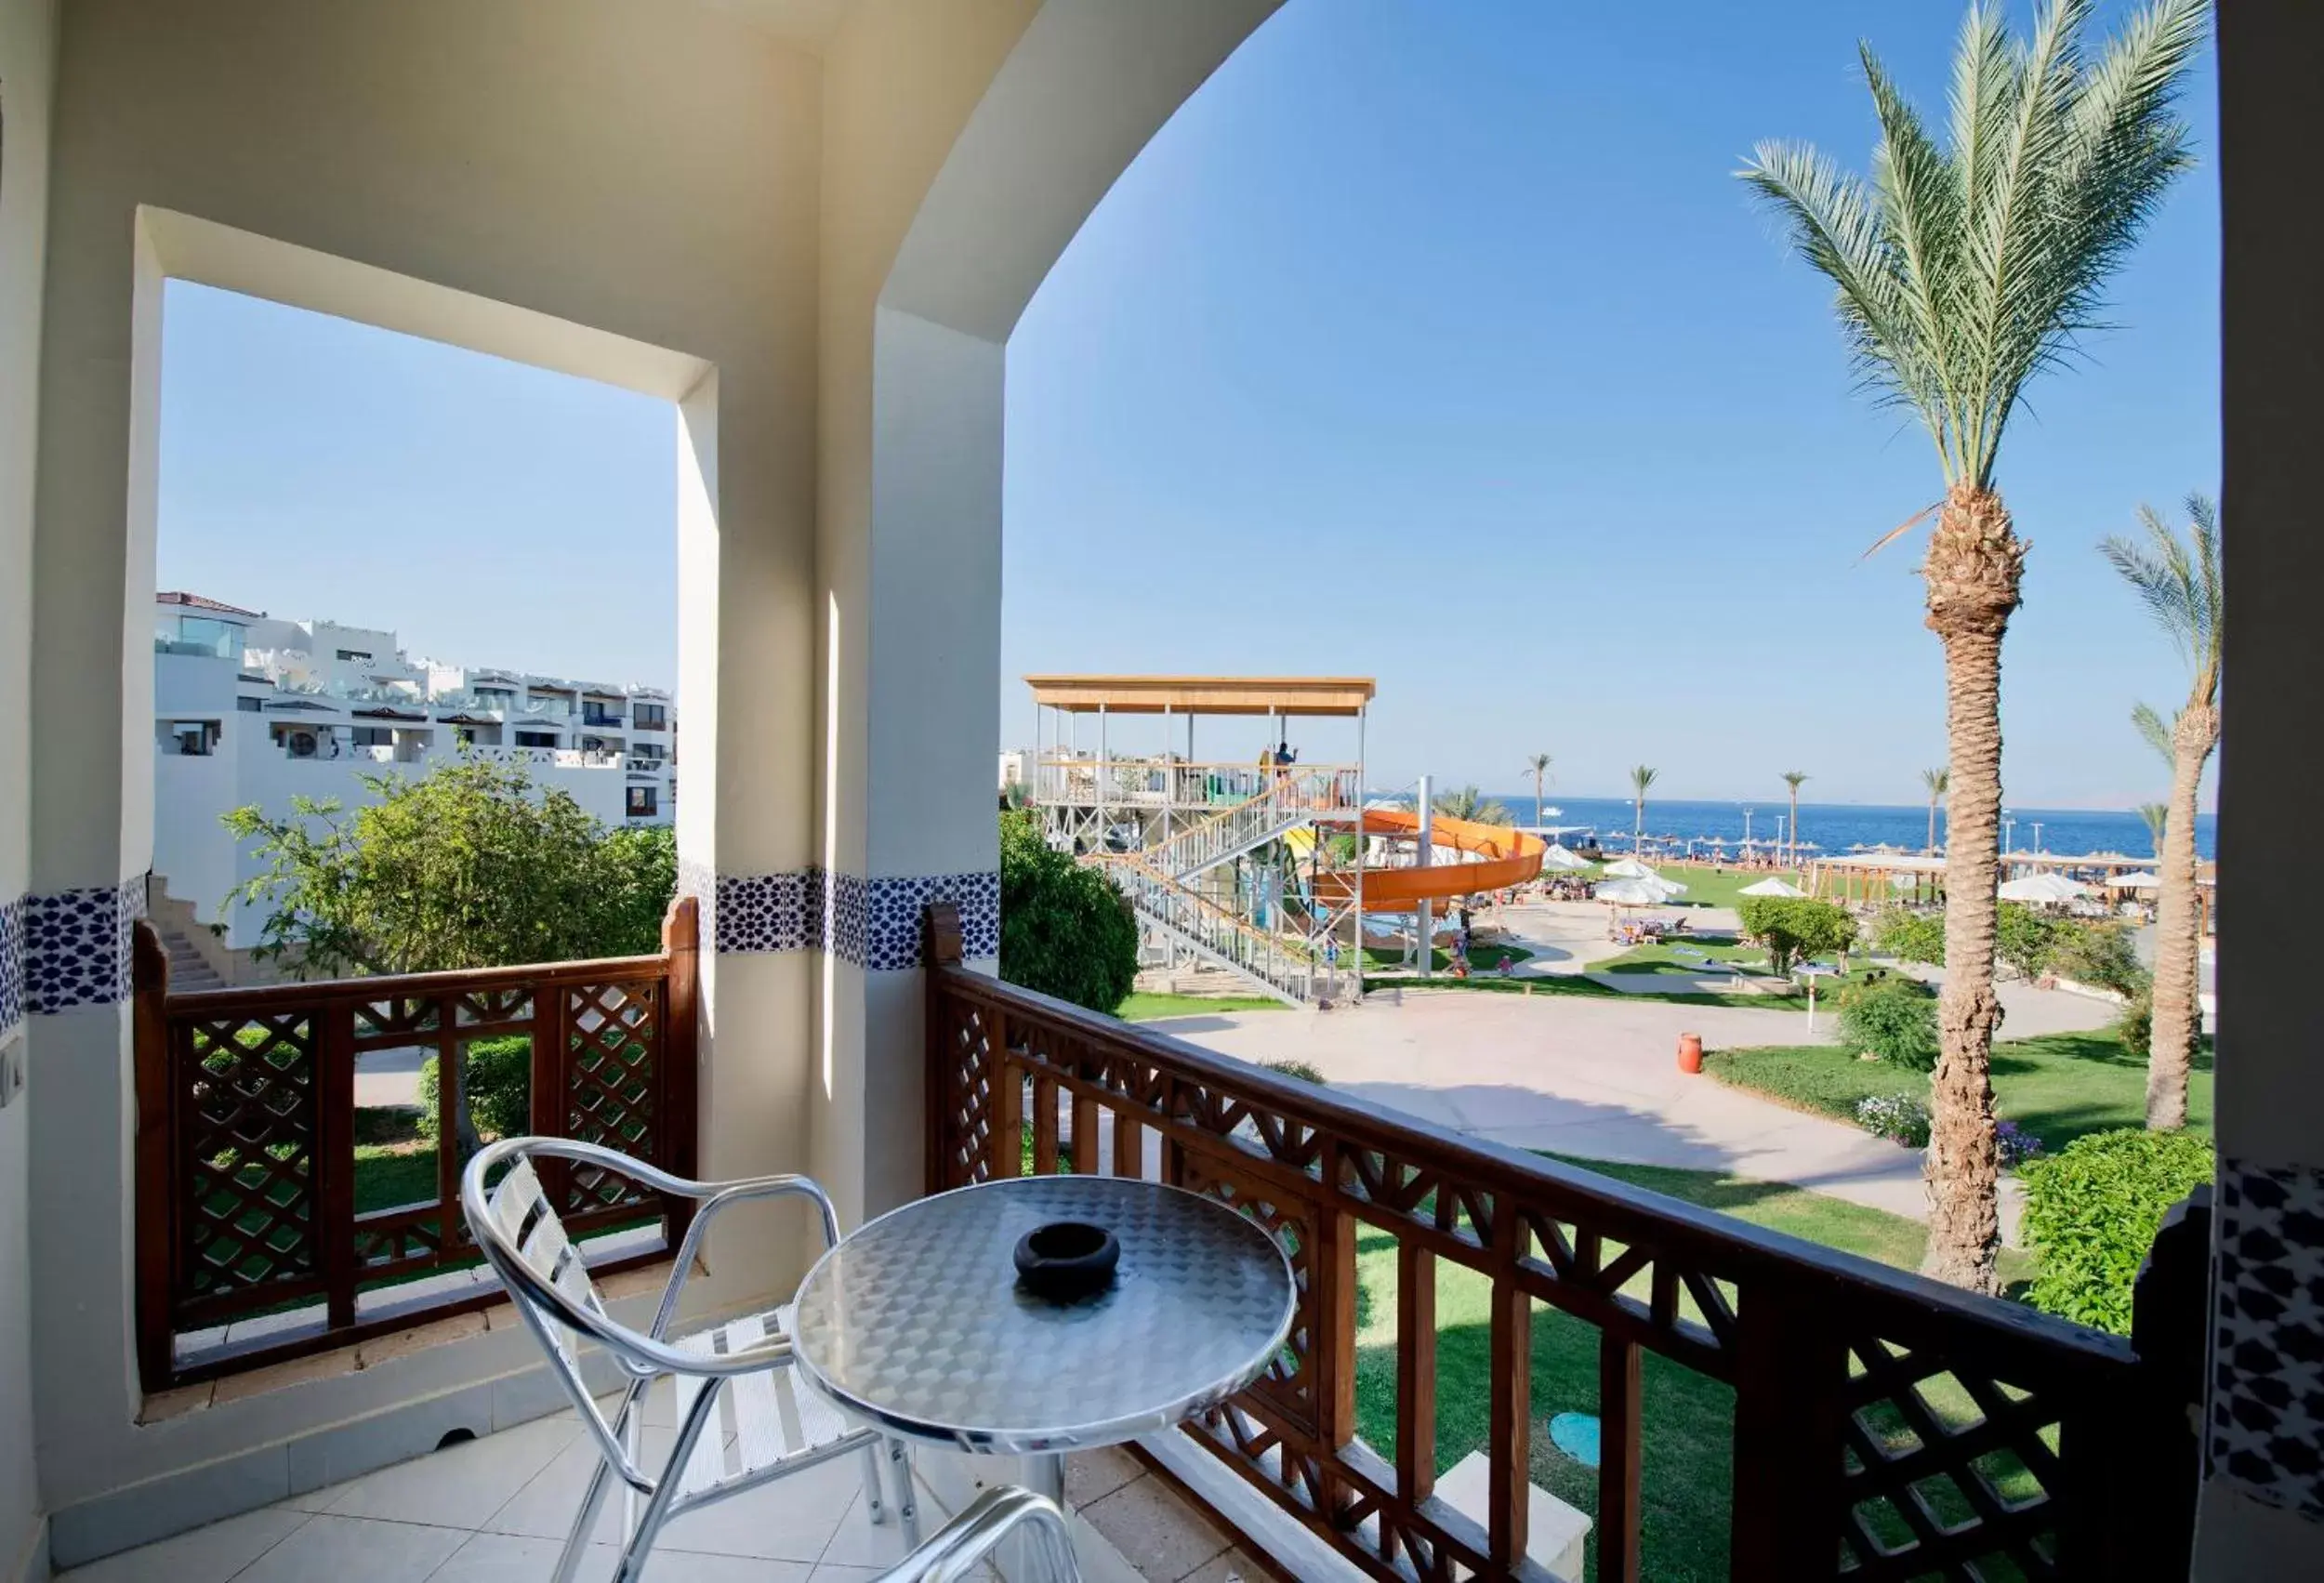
[(1771, 886), (2045, 888), (2140, 879), (1561, 860), (1631, 892), (1630, 868)]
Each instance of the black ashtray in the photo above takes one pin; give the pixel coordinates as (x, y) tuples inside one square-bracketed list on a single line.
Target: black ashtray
[(1066, 1259)]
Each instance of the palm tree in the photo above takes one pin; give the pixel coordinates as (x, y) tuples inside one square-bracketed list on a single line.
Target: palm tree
[(1792, 778), (1539, 765), (2155, 815), (1641, 777), (2178, 581), (1962, 272), (1467, 802), (1936, 780)]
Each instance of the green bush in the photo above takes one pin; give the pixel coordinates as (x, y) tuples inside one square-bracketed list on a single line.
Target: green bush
[(1894, 1017), (499, 1087), (2135, 1027), (2099, 954), (2025, 939), (1301, 1070), (1795, 927), (2091, 1210), (1910, 936), (1065, 930)]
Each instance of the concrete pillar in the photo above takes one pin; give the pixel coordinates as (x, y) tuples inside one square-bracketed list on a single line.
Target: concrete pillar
[(2262, 1514)]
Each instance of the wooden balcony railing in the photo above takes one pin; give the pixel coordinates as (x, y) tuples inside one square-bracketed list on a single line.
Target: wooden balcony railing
[(247, 1169), (1883, 1425)]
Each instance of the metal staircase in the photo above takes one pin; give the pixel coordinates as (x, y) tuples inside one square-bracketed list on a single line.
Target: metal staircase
[(1295, 798), (1283, 967)]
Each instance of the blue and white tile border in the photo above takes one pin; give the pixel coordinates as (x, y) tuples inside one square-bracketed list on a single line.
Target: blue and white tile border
[(2266, 1429), (68, 948), (872, 923), (11, 965)]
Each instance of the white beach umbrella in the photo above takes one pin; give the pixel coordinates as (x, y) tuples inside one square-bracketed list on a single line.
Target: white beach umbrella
[(2043, 887), (1558, 860), (2140, 879), (1771, 886), (1630, 868), (1632, 892)]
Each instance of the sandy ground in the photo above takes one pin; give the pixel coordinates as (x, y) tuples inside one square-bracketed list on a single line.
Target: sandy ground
[(1599, 1078)]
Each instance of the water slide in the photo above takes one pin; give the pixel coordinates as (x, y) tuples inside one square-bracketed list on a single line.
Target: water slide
[(1504, 857)]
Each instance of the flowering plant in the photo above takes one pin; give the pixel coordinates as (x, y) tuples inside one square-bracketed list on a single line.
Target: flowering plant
[(1902, 1117)]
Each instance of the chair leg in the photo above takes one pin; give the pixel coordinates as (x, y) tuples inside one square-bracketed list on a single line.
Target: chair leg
[(578, 1541), (907, 1505), (872, 1504)]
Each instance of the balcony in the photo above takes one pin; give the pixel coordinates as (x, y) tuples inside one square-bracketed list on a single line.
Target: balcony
[(1877, 1425)]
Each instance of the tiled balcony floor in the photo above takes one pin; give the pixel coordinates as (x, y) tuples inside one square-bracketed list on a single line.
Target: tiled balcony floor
[(496, 1510)]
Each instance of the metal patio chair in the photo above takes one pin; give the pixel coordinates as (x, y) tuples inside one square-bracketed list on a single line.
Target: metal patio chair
[(963, 1543), (736, 1374)]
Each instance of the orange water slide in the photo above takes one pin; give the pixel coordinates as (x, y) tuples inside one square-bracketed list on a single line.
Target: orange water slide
[(1505, 857)]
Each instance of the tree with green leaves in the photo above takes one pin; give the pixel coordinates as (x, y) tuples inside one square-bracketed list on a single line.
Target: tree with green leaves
[(1935, 782), (1642, 780), (1065, 929), (470, 865), (1793, 927), (1467, 802), (2178, 579), (1792, 780), (2155, 815), (1540, 764), (1963, 268)]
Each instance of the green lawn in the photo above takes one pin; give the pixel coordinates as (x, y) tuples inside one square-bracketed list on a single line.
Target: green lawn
[(1705, 889), (2058, 1086), (1689, 1419), (1484, 956), (1143, 1007)]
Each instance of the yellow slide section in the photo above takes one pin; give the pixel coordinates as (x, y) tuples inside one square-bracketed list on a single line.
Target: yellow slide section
[(1506, 857)]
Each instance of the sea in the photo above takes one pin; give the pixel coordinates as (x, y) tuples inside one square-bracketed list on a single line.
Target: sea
[(1834, 827)]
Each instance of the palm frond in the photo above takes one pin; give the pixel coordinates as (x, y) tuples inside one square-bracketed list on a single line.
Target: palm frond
[(2158, 817), (2178, 581), (1937, 780), (2154, 731), (1641, 777), (1964, 270), (1793, 778)]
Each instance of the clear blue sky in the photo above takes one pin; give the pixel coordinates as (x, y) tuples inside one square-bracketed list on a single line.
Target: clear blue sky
[(1431, 342)]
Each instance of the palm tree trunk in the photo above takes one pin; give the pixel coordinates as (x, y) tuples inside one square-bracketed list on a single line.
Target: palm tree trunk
[(2178, 969), (1973, 570), (1795, 827), (1932, 825)]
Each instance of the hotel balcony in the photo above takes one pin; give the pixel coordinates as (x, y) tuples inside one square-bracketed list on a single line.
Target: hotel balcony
[(809, 229)]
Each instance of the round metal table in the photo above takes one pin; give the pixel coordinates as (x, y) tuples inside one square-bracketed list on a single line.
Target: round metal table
[(916, 1323)]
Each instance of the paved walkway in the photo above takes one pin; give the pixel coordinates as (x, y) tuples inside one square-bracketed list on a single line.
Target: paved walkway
[(1600, 1079)]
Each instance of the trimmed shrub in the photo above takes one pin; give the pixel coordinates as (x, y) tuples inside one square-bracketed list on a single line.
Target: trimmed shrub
[(2091, 1210), (1893, 1017), (1903, 1118), (499, 1087), (1065, 930)]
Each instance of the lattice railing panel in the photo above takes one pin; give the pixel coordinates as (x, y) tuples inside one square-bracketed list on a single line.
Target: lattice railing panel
[(610, 1084), (248, 1153), (1948, 1472), (1883, 1428)]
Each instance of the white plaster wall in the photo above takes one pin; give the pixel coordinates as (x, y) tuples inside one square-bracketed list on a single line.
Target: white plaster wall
[(947, 201), (26, 49), (646, 170)]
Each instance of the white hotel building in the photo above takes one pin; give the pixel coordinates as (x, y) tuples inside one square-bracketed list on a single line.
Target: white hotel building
[(251, 709)]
